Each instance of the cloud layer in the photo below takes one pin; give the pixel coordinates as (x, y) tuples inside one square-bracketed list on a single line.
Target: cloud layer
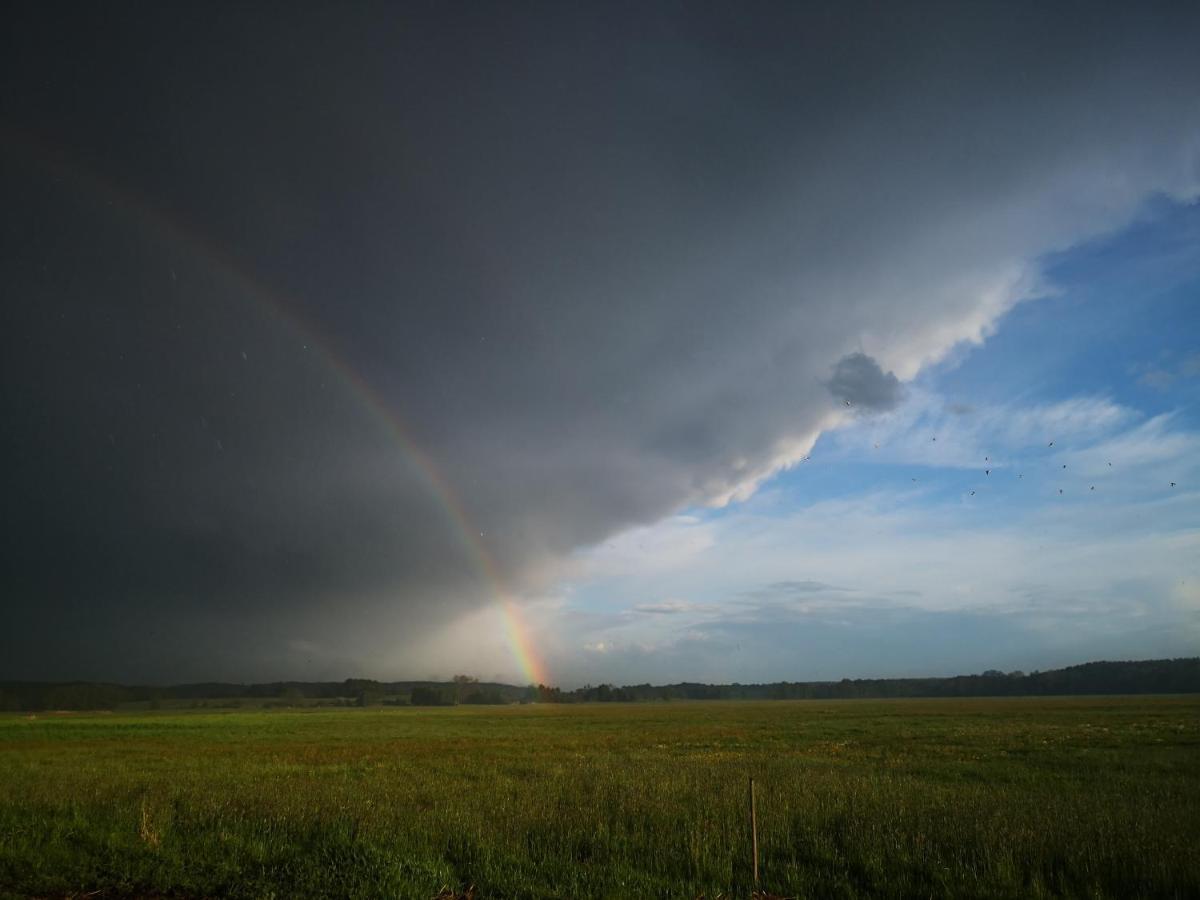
[(601, 263), (961, 572)]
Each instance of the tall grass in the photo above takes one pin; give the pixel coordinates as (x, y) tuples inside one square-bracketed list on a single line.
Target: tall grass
[(979, 798)]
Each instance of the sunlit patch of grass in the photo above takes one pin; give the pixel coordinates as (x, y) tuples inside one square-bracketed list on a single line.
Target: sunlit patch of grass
[(982, 798)]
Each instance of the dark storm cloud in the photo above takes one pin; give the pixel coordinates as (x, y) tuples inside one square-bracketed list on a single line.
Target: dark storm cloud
[(858, 380), (601, 261)]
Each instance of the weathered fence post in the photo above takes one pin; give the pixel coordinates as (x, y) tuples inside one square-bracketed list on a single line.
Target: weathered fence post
[(754, 832)]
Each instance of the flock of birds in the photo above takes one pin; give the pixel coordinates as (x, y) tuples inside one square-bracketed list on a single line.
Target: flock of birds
[(988, 469)]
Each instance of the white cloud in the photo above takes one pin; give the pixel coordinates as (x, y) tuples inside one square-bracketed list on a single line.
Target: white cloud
[(666, 546), (669, 607), (926, 430), (1070, 575), (1153, 453)]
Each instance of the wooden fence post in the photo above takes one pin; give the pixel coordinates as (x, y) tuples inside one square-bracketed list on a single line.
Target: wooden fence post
[(754, 832)]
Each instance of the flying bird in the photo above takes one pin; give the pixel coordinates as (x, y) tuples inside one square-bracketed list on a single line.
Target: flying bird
[(1064, 465), (1172, 484), (1093, 487), (972, 493), (1051, 444), (847, 402), (1060, 490), (987, 471)]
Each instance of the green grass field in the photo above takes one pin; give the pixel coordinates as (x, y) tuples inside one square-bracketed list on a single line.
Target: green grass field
[(1080, 797)]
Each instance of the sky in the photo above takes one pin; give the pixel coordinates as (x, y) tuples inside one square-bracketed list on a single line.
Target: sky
[(598, 343)]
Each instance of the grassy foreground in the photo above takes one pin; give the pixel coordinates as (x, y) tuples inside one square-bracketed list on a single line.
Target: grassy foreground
[(1081, 797)]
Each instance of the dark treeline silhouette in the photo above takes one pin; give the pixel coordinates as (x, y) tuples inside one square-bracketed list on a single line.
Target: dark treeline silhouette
[(28, 696), (1158, 676)]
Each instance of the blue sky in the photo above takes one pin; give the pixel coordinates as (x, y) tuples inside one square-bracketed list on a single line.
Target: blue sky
[(878, 560)]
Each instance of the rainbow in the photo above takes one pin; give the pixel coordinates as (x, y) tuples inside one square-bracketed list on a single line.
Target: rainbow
[(220, 262)]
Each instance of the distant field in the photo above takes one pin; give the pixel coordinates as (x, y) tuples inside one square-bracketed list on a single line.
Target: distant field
[(1080, 797)]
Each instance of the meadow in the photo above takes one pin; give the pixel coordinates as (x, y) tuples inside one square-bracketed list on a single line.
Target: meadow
[(1075, 797)]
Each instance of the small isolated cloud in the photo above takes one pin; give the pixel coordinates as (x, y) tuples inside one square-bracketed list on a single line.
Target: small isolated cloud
[(1156, 378), (665, 608), (1153, 449), (925, 430), (781, 589), (859, 380), (1162, 374), (1076, 417)]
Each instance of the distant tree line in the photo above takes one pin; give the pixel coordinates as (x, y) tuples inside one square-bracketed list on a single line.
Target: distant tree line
[(1159, 676), (28, 696)]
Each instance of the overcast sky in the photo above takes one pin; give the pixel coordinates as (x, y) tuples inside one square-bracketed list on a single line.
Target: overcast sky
[(701, 341)]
